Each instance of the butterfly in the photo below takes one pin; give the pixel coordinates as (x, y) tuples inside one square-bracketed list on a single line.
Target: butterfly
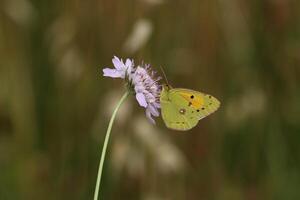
[(181, 108)]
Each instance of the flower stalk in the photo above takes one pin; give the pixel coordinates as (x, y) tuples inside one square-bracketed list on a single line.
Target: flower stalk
[(97, 188)]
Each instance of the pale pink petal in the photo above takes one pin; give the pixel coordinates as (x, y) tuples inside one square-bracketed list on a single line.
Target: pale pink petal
[(128, 62), (148, 115), (150, 97), (156, 105), (141, 99), (112, 73), (119, 65), (139, 88), (128, 65), (153, 110)]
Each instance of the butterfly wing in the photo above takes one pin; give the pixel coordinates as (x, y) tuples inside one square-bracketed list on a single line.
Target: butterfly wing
[(175, 116), (201, 104), (183, 108)]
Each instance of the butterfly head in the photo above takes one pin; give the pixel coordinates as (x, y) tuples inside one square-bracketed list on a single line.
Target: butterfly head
[(166, 87), (164, 92)]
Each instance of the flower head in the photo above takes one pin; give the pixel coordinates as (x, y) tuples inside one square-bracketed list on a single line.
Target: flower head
[(141, 80)]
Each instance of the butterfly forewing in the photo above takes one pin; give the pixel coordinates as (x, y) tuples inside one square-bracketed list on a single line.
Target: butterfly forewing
[(201, 104)]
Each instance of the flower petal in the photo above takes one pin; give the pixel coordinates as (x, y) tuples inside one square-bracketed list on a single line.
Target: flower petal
[(128, 63), (141, 99), (128, 66), (150, 97), (148, 114), (156, 105), (153, 110), (112, 73), (119, 65), (139, 88)]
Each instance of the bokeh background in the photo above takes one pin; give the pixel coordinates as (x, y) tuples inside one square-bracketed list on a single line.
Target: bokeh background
[(55, 105)]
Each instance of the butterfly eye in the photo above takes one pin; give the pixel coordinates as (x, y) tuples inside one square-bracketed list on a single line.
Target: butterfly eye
[(166, 86), (192, 96)]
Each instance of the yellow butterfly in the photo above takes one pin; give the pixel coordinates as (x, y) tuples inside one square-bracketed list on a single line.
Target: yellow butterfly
[(181, 109)]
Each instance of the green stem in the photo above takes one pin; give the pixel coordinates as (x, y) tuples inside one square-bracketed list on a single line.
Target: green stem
[(105, 145)]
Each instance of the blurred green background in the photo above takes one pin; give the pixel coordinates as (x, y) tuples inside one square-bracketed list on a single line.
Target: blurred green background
[(55, 105)]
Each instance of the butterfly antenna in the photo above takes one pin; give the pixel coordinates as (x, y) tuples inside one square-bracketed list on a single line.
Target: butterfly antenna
[(163, 72)]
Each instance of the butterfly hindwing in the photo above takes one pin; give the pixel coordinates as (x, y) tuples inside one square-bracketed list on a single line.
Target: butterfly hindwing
[(177, 117)]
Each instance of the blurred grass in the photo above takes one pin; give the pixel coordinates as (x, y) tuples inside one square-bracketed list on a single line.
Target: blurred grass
[(55, 104)]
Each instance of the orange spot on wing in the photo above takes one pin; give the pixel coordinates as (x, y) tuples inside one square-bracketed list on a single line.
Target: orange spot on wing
[(197, 101)]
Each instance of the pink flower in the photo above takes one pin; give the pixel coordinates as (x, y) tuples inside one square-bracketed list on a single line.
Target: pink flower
[(141, 80)]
